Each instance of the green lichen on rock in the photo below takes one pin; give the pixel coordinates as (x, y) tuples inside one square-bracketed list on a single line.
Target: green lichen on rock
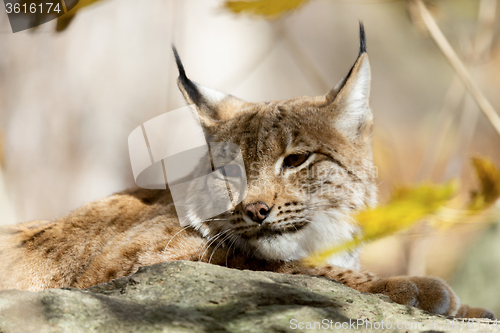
[(196, 297)]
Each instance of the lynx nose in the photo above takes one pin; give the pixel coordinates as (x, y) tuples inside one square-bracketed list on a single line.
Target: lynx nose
[(257, 212)]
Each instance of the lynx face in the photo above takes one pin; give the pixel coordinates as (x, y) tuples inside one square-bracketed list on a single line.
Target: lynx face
[(308, 164)]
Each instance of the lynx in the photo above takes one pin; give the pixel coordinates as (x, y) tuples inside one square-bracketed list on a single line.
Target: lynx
[(308, 163)]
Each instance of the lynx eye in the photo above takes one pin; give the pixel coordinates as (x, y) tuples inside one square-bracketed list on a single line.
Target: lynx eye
[(294, 160), (231, 170)]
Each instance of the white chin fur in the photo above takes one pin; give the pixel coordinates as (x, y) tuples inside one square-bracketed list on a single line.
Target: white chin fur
[(326, 229)]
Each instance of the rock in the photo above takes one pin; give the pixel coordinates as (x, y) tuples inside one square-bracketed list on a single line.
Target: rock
[(196, 297)]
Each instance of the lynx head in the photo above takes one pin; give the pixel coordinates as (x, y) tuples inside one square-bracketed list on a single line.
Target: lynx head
[(308, 164)]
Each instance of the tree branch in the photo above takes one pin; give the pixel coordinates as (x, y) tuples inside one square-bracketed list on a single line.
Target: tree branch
[(457, 64)]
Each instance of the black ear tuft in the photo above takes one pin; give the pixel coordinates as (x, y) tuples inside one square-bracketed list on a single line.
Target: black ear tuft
[(362, 49), (188, 85), (178, 61), (362, 39)]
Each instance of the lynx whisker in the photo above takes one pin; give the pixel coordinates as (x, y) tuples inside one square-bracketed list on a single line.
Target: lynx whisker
[(166, 246), (231, 244), (212, 241), (207, 245), (218, 245)]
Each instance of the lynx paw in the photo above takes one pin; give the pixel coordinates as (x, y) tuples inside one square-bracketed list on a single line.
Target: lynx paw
[(427, 293)]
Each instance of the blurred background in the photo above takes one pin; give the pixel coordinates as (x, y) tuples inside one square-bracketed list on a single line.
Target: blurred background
[(68, 101)]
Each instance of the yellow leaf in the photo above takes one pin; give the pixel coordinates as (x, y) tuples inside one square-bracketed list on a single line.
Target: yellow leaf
[(406, 207), (65, 20), (489, 179), (409, 205), (267, 8), (478, 209)]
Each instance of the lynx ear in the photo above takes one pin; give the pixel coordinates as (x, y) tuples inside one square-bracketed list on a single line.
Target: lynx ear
[(211, 104), (350, 98)]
